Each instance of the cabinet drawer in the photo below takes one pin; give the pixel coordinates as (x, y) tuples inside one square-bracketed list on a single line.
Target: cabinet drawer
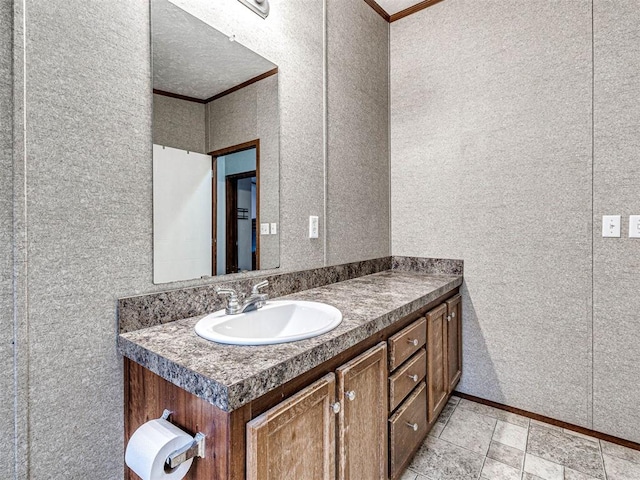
[(406, 378), (406, 342), (407, 428)]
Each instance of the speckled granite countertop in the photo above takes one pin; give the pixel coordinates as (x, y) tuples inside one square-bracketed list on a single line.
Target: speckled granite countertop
[(230, 376)]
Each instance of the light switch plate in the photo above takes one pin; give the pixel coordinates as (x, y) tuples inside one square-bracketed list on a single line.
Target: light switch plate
[(264, 229), (313, 226), (274, 228), (634, 226), (611, 226)]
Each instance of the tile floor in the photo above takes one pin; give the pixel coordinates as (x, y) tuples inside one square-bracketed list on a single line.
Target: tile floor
[(472, 441)]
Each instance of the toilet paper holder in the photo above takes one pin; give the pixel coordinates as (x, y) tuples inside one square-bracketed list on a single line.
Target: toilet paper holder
[(196, 448)]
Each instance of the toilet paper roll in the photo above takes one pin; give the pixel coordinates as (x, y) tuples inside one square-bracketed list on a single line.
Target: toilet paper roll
[(149, 447)]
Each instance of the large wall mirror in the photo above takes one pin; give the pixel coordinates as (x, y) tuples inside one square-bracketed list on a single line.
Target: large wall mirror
[(216, 127)]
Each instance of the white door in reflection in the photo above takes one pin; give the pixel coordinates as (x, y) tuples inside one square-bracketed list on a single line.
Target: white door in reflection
[(182, 220)]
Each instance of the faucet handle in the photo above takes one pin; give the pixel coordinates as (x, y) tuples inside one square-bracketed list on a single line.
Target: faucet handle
[(256, 288), (226, 291), (232, 302)]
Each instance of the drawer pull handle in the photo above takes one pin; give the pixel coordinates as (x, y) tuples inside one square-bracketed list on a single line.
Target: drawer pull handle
[(413, 342), (413, 426), (413, 377), (351, 395)]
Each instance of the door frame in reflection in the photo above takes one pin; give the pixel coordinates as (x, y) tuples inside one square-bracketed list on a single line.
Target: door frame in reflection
[(214, 211)]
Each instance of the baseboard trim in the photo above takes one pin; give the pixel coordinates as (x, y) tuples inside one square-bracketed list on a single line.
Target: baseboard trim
[(552, 421)]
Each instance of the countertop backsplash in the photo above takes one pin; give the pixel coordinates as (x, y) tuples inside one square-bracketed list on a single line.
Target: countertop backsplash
[(142, 311)]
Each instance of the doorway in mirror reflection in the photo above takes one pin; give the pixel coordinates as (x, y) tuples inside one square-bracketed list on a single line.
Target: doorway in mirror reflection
[(236, 212)]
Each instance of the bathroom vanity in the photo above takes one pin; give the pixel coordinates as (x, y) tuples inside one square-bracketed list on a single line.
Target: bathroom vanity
[(355, 402)]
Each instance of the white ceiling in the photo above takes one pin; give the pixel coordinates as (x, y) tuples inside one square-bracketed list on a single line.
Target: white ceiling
[(395, 6), (192, 58)]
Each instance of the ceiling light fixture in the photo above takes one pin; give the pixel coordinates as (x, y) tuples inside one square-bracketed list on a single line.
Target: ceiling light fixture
[(261, 7)]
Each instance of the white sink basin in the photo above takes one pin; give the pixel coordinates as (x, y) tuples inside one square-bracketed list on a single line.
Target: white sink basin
[(278, 321)]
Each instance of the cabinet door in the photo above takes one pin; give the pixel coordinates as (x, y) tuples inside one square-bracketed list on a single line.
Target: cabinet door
[(362, 422), (454, 341), (437, 381), (296, 438)]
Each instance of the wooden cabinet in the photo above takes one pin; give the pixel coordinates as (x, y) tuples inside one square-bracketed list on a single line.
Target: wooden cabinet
[(296, 438), (454, 342), (360, 415), (444, 353), (437, 378), (362, 426)]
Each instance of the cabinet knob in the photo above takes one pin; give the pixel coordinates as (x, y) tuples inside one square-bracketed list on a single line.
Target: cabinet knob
[(351, 395), (448, 318), (413, 342), (413, 426), (336, 407), (413, 377), (453, 314)]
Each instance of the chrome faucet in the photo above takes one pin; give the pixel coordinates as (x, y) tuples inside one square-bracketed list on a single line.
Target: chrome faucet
[(255, 300)]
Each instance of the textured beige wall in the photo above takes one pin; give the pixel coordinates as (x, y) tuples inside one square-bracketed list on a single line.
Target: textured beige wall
[(248, 114), (616, 294), (86, 218), (491, 163), (358, 133), (233, 119), (179, 124), (6, 240)]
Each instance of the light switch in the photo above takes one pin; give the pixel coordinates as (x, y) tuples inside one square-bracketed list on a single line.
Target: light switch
[(634, 226), (611, 226), (274, 228), (264, 229), (313, 226)]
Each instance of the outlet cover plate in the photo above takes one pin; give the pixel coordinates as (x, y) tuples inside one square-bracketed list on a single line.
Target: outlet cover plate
[(634, 226)]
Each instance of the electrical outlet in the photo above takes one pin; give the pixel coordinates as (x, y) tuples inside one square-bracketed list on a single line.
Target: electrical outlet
[(313, 226), (634, 226), (274, 228), (264, 229), (611, 226)]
